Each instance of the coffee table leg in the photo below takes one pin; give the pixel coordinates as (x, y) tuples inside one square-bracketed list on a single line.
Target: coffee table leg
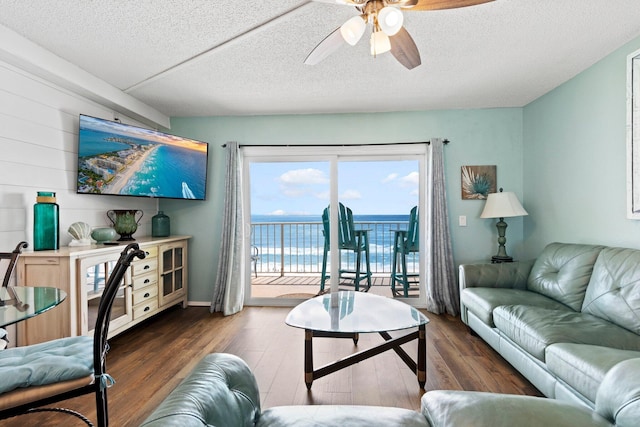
[(308, 358), (421, 370)]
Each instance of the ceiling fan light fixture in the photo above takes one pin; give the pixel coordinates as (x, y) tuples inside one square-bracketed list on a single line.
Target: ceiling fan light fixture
[(390, 20), (353, 29), (380, 43)]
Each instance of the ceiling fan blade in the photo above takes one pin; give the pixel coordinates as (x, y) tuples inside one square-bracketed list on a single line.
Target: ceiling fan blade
[(326, 47), (347, 2), (404, 49), (444, 4)]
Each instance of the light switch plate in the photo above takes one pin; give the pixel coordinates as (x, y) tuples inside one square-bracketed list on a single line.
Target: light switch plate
[(462, 220)]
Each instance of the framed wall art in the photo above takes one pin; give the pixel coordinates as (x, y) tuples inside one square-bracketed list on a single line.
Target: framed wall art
[(478, 182), (633, 135)]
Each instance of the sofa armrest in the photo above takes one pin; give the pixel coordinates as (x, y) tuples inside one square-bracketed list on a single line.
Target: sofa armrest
[(479, 409), (220, 391), (512, 275), (618, 396)]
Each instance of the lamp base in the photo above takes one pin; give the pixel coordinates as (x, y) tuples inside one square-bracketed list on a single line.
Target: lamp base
[(498, 259)]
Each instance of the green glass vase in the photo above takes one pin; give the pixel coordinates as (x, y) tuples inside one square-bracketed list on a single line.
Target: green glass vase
[(160, 225), (46, 222)]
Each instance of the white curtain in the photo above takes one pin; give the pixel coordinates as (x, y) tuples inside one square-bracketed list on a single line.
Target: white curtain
[(228, 289), (443, 294)]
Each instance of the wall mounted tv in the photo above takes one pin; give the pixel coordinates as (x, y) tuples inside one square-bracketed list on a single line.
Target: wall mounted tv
[(124, 160)]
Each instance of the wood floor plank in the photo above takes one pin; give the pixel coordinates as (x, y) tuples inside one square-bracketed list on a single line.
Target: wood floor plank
[(149, 360)]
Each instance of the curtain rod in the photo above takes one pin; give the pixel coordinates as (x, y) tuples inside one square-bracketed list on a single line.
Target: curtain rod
[(446, 141)]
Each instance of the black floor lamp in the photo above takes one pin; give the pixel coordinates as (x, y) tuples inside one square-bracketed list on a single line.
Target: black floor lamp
[(502, 205)]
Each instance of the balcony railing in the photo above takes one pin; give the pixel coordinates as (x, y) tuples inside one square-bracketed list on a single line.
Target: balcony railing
[(297, 247)]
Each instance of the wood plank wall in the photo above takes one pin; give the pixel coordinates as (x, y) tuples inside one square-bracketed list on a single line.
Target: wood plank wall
[(38, 142), (39, 146)]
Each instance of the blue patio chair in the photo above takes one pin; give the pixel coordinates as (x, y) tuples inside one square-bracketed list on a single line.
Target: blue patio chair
[(405, 242), (351, 240)]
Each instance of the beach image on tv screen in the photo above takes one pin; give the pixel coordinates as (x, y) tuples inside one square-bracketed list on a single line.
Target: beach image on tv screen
[(125, 160)]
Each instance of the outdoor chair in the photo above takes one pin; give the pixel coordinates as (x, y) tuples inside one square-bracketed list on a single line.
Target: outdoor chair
[(255, 257), (41, 374), (405, 242), (350, 240)]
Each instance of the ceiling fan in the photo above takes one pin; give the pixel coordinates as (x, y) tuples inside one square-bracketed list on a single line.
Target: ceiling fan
[(387, 32)]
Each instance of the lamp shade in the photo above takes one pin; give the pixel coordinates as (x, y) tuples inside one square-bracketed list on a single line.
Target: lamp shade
[(502, 205), (390, 20), (380, 43), (353, 29)]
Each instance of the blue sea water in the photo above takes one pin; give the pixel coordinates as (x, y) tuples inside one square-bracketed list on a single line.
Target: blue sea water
[(295, 243), (93, 143), (164, 171)]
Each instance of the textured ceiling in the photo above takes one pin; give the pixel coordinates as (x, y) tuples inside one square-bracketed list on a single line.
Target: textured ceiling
[(230, 57)]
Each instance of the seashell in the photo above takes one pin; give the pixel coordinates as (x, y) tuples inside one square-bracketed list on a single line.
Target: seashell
[(79, 230)]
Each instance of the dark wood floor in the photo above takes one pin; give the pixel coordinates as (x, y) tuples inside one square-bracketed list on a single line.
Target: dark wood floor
[(150, 360)]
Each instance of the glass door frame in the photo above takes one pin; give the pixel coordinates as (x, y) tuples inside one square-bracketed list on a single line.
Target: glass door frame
[(333, 155)]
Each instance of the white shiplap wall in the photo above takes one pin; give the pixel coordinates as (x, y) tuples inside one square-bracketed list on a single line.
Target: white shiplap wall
[(38, 146)]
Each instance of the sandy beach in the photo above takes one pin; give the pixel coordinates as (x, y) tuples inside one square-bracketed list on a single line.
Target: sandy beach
[(122, 178)]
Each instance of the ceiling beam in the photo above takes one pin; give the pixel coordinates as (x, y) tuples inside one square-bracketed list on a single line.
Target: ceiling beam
[(199, 56), (26, 55)]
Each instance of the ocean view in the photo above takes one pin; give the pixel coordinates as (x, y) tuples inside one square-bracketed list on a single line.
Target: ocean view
[(164, 171), (295, 243)]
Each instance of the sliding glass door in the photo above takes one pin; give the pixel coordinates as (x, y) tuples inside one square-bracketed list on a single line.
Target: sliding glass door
[(287, 190)]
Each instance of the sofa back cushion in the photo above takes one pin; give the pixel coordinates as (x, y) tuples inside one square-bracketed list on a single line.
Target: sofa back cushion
[(562, 272), (613, 293)]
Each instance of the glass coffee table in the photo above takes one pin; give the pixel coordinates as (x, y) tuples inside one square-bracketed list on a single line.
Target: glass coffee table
[(346, 314)]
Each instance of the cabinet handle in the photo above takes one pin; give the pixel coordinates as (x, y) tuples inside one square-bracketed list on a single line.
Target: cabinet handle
[(146, 295), (146, 281), (146, 267), (147, 308)]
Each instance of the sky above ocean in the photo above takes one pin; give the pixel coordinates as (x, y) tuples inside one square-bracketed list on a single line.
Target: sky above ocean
[(302, 188)]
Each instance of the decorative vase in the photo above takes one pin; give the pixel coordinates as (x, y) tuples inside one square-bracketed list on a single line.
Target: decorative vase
[(160, 225), (125, 222), (103, 234), (46, 222)]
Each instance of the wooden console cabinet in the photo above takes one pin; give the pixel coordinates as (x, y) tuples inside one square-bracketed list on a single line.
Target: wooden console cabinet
[(150, 285)]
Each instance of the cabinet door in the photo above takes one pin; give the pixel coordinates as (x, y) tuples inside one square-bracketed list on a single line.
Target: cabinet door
[(93, 273), (173, 272), (61, 321)]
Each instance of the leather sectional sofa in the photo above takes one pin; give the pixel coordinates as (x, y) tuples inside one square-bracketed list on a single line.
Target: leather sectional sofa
[(222, 392), (563, 320), (569, 321)]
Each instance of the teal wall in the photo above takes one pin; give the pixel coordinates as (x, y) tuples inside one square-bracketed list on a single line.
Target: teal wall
[(564, 154), (575, 160), (478, 137)]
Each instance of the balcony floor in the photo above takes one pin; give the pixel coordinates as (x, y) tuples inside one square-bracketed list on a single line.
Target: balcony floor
[(307, 286)]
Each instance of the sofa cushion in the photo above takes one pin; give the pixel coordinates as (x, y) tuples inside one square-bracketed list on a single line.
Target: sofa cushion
[(562, 272), (535, 328), (482, 301), (614, 290), (339, 416), (45, 363), (584, 366)]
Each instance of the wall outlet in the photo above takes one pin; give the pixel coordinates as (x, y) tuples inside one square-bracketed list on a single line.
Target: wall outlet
[(462, 220)]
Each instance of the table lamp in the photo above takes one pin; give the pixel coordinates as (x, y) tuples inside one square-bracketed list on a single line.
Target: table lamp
[(502, 205)]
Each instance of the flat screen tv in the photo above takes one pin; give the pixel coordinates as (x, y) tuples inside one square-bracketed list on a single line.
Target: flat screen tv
[(123, 160)]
